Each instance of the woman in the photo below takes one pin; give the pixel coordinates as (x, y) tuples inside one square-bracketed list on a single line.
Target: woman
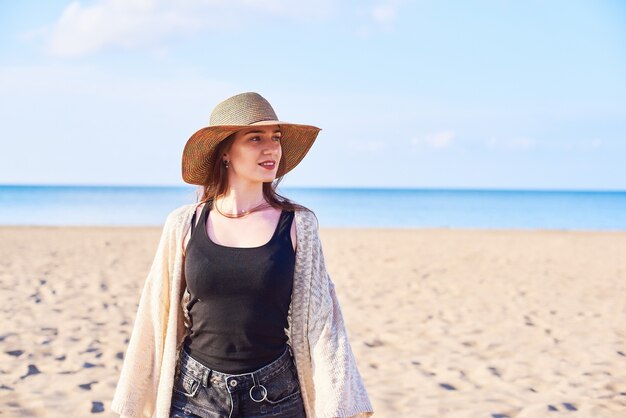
[(238, 316)]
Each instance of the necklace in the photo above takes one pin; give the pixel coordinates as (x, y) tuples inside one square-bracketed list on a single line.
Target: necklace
[(242, 213)]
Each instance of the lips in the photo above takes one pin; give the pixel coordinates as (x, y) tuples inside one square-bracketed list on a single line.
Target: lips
[(268, 164)]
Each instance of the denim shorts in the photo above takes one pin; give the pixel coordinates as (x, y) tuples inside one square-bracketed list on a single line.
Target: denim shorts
[(273, 390)]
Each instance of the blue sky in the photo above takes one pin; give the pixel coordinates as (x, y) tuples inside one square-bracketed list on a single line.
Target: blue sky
[(482, 94)]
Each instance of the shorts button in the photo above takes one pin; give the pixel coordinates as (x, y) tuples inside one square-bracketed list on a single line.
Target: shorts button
[(233, 382)]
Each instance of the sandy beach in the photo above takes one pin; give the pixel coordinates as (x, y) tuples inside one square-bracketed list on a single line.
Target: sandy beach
[(443, 323)]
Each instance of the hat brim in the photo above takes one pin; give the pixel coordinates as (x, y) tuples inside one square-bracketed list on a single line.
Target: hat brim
[(199, 152)]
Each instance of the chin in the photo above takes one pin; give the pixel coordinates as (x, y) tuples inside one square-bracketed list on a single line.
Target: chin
[(267, 179)]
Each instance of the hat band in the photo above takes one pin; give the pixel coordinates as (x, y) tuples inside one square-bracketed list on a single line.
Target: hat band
[(263, 120)]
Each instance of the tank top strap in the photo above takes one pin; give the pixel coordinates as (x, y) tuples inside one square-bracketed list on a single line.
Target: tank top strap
[(198, 223), (284, 225)]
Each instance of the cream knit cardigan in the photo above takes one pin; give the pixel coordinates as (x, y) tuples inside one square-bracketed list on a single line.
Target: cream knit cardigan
[(330, 382)]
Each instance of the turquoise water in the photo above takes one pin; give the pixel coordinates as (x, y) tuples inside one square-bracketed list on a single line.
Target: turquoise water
[(402, 208)]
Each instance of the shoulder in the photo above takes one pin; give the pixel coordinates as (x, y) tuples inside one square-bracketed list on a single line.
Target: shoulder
[(181, 211), (177, 217), (306, 227), (306, 217)]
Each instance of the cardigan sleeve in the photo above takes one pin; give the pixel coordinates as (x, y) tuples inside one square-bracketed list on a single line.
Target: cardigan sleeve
[(135, 394), (339, 388)]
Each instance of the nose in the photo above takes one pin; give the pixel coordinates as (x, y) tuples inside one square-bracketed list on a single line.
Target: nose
[(273, 148)]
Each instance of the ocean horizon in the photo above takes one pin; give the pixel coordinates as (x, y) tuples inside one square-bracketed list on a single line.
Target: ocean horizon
[(98, 205)]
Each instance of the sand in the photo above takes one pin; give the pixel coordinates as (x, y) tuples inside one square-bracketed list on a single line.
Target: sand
[(443, 323)]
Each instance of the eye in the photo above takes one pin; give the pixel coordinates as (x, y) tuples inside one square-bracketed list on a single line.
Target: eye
[(255, 137), (277, 138)]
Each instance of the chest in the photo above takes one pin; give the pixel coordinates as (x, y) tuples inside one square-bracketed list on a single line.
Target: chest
[(250, 233), (225, 276), (253, 230)]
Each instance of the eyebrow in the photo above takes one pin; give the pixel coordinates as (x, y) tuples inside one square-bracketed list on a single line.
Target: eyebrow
[(260, 132)]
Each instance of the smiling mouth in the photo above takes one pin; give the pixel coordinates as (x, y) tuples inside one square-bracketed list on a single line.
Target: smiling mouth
[(268, 164)]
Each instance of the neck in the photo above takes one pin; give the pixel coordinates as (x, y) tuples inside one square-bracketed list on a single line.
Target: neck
[(238, 199)]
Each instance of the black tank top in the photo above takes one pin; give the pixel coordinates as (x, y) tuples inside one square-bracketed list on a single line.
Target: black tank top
[(239, 298)]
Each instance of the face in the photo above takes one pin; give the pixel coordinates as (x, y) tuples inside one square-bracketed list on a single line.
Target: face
[(251, 147)]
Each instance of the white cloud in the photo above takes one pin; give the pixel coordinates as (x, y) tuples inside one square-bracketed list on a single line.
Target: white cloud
[(442, 139), (381, 15), (512, 144), (385, 12), (128, 24)]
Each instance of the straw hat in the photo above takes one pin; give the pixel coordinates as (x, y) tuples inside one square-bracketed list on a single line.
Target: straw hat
[(236, 113)]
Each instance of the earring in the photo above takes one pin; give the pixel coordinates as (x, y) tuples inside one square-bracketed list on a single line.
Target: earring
[(225, 164)]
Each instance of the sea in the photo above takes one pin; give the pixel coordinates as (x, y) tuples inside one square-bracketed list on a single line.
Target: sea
[(38, 205)]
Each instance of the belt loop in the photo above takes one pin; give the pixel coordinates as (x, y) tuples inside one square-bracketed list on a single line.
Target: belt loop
[(207, 377)]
